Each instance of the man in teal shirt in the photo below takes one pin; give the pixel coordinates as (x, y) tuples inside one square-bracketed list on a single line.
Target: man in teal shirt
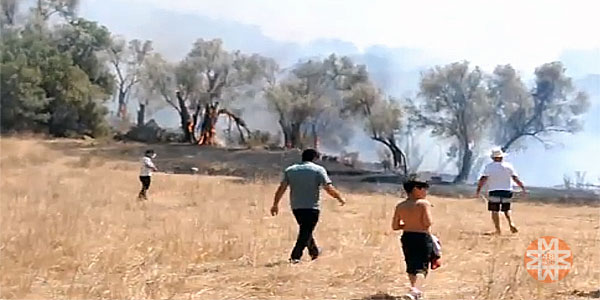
[(305, 180)]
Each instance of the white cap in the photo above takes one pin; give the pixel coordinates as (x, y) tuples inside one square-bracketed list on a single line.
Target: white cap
[(497, 152)]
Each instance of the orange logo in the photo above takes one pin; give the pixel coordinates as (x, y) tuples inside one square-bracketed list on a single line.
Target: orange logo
[(548, 259)]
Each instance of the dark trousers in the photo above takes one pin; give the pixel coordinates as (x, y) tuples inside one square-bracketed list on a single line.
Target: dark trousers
[(307, 221), (145, 180)]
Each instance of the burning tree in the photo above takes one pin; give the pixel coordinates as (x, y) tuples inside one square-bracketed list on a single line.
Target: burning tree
[(207, 76)]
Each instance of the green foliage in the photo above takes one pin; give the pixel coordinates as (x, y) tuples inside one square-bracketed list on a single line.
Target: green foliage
[(55, 82), (83, 40)]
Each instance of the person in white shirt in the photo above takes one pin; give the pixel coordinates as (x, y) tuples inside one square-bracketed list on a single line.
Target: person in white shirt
[(146, 173), (499, 176)]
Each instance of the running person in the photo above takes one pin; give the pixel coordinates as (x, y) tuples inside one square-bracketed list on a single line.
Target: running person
[(499, 176), (413, 217)]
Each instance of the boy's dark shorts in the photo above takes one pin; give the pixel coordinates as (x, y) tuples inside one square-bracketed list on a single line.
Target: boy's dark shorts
[(417, 248), (145, 180), (499, 201)]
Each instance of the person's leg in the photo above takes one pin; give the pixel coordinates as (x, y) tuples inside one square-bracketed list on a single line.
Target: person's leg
[(417, 248), (142, 194), (303, 217), (507, 214), (416, 281), (146, 187), (312, 220), (496, 220), (494, 208), (148, 182)]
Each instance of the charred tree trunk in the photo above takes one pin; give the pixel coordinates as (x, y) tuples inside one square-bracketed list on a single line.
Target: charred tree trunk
[(122, 110), (287, 141), (466, 161), (240, 124), (398, 156), (141, 115), (186, 121), (207, 128), (315, 137), (292, 135), (296, 136), (208, 131), (194, 124)]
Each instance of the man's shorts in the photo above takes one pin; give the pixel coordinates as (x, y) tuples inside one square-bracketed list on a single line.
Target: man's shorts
[(499, 201), (417, 248)]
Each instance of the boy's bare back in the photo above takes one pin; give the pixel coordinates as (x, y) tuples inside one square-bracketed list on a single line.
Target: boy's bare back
[(413, 216)]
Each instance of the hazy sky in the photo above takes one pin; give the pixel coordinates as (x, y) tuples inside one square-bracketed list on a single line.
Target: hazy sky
[(524, 33), (396, 39)]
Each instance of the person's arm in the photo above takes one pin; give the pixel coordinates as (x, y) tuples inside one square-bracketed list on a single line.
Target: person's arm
[(515, 178), (397, 223), (278, 195), (285, 181), (480, 185), (150, 164), (519, 183), (333, 192), (427, 220), (329, 188), (483, 179)]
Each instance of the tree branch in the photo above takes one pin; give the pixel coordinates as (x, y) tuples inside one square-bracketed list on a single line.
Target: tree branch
[(533, 135), (169, 101)]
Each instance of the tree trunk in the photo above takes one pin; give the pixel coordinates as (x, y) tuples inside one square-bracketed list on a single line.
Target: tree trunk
[(186, 121), (292, 135), (194, 125), (207, 128), (315, 137), (242, 138), (287, 143), (287, 140), (122, 111), (296, 136), (466, 163), (399, 159), (141, 115)]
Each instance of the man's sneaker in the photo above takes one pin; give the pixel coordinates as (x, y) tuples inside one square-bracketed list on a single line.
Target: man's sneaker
[(294, 261), (313, 257), (414, 294)]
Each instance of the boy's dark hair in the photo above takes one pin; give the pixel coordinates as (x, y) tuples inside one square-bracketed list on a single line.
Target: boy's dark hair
[(410, 185), (149, 152), (310, 155)]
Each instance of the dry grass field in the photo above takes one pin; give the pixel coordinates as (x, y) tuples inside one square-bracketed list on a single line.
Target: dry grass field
[(71, 228)]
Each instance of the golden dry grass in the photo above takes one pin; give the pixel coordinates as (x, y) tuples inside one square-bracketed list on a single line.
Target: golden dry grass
[(71, 228)]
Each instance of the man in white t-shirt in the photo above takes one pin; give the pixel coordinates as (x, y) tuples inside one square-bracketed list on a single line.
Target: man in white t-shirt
[(499, 176), (146, 173)]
